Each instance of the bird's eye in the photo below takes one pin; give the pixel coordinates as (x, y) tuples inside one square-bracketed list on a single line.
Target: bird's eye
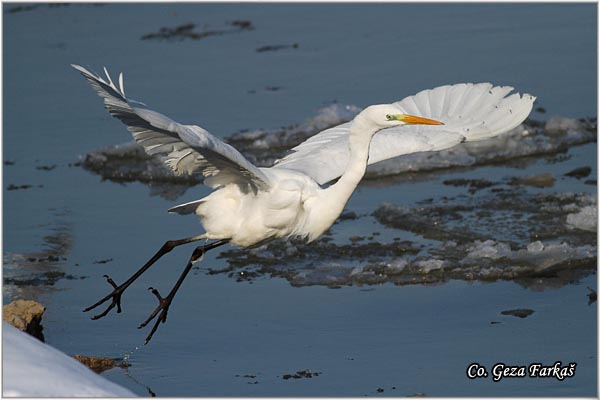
[(388, 117)]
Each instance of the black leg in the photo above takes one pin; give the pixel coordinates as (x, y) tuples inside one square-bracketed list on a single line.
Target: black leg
[(164, 303), (115, 295)]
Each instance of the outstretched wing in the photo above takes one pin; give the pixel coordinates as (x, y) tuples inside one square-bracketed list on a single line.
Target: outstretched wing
[(469, 111), (187, 149)]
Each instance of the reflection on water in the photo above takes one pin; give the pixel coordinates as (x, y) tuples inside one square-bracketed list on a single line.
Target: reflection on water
[(29, 275)]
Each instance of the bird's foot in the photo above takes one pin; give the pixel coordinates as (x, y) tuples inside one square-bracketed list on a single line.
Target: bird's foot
[(163, 309), (115, 295)]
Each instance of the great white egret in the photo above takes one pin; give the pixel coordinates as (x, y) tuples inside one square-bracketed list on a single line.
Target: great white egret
[(252, 205)]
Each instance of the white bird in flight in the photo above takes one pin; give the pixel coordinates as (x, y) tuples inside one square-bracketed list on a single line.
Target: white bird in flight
[(252, 205)]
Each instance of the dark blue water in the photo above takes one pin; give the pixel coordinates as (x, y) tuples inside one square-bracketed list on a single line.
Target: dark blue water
[(416, 339)]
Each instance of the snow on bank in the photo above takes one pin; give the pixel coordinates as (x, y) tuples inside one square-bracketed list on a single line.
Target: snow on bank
[(31, 368)]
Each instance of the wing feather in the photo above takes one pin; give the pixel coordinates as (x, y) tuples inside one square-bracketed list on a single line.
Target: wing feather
[(187, 149), (470, 112)]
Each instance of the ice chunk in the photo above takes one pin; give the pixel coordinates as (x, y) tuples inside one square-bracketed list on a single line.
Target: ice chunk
[(586, 219), (356, 271), (535, 247), (558, 124), (488, 249), (552, 255), (331, 115), (426, 266), (396, 266)]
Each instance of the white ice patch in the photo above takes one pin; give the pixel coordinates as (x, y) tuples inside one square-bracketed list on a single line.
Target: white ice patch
[(558, 124), (552, 254), (488, 249), (519, 142), (426, 266), (537, 254), (396, 266), (331, 115), (586, 219), (535, 247)]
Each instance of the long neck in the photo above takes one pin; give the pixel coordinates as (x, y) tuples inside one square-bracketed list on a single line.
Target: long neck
[(330, 202), (360, 137)]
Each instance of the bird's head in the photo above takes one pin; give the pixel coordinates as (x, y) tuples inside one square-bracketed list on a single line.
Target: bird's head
[(387, 115)]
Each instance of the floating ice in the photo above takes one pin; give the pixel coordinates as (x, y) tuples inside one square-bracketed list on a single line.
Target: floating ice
[(525, 140), (558, 124), (488, 249), (396, 266), (586, 219), (128, 162), (552, 255), (484, 237), (535, 247), (426, 266)]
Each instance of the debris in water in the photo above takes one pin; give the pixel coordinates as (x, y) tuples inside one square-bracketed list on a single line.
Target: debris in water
[(18, 187), (100, 364), (472, 183), (538, 180), (30, 7), (249, 376), (246, 376), (105, 261), (347, 215), (187, 31), (519, 312), (592, 296), (277, 47), (243, 24), (307, 373), (46, 167), (579, 173)]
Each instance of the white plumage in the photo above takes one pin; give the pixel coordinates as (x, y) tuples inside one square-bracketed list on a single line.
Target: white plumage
[(253, 205), (469, 111)]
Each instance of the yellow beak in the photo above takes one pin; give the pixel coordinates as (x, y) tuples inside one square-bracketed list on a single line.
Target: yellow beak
[(413, 120)]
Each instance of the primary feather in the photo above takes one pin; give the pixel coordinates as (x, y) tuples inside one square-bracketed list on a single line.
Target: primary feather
[(187, 149)]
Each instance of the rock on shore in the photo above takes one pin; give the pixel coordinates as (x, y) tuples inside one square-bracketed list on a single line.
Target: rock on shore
[(25, 315)]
